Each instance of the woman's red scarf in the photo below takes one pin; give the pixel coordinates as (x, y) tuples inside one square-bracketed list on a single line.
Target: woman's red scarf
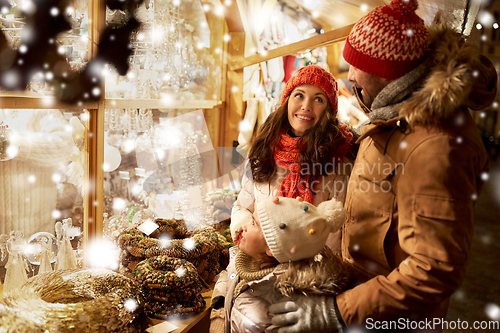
[(286, 155)]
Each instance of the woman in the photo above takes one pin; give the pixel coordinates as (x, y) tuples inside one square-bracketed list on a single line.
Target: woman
[(300, 150)]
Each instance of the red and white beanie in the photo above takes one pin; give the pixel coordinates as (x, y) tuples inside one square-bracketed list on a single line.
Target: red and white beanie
[(389, 41), (317, 76)]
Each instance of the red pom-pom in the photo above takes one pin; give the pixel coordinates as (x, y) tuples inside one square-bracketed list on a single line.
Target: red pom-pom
[(404, 7)]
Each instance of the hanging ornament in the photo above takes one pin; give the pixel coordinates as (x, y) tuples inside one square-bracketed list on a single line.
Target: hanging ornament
[(38, 51), (192, 192), (8, 144), (112, 158)]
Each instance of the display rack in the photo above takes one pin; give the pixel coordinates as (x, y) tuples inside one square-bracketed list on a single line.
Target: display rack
[(222, 116)]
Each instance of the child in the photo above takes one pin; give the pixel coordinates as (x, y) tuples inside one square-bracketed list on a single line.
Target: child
[(300, 150), (277, 257)]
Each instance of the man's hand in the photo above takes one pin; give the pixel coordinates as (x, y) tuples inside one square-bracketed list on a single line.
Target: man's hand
[(305, 314)]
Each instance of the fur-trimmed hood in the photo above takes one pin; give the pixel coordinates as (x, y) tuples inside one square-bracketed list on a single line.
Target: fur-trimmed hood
[(327, 274), (453, 74)]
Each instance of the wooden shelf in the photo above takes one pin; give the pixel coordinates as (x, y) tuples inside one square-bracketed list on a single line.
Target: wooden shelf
[(327, 38), (121, 103), (27, 100), (34, 101)]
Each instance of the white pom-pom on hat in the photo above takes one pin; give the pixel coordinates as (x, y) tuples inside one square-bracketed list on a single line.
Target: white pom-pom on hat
[(334, 213)]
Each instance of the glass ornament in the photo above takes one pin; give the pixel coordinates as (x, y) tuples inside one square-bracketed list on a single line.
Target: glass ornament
[(9, 146), (36, 244)]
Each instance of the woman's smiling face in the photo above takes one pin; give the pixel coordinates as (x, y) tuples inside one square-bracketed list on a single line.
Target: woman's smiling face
[(306, 105)]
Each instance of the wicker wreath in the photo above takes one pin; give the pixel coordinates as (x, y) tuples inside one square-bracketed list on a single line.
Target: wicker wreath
[(205, 240), (160, 310), (139, 245), (200, 247), (171, 285), (173, 296), (12, 321), (80, 300), (163, 271)]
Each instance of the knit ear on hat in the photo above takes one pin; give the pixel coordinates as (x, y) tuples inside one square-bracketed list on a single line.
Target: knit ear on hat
[(334, 213)]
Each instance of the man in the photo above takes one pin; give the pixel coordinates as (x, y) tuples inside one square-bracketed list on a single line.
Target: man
[(418, 172)]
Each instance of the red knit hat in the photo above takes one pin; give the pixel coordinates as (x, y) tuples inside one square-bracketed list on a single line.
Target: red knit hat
[(389, 41), (315, 75)]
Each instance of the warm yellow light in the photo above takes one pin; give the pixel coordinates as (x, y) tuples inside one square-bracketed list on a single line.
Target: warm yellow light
[(219, 10), (102, 254)]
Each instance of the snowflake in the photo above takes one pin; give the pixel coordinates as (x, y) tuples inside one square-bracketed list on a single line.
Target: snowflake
[(130, 304), (188, 244), (180, 271), (493, 311)]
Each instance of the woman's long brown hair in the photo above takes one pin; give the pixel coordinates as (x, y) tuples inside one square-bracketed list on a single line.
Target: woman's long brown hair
[(321, 140)]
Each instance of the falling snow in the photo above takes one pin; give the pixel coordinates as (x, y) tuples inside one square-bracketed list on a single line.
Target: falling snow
[(493, 311), (189, 244), (180, 271), (130, 304)]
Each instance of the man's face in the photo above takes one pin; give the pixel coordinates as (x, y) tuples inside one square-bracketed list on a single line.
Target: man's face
[(370, 85)]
